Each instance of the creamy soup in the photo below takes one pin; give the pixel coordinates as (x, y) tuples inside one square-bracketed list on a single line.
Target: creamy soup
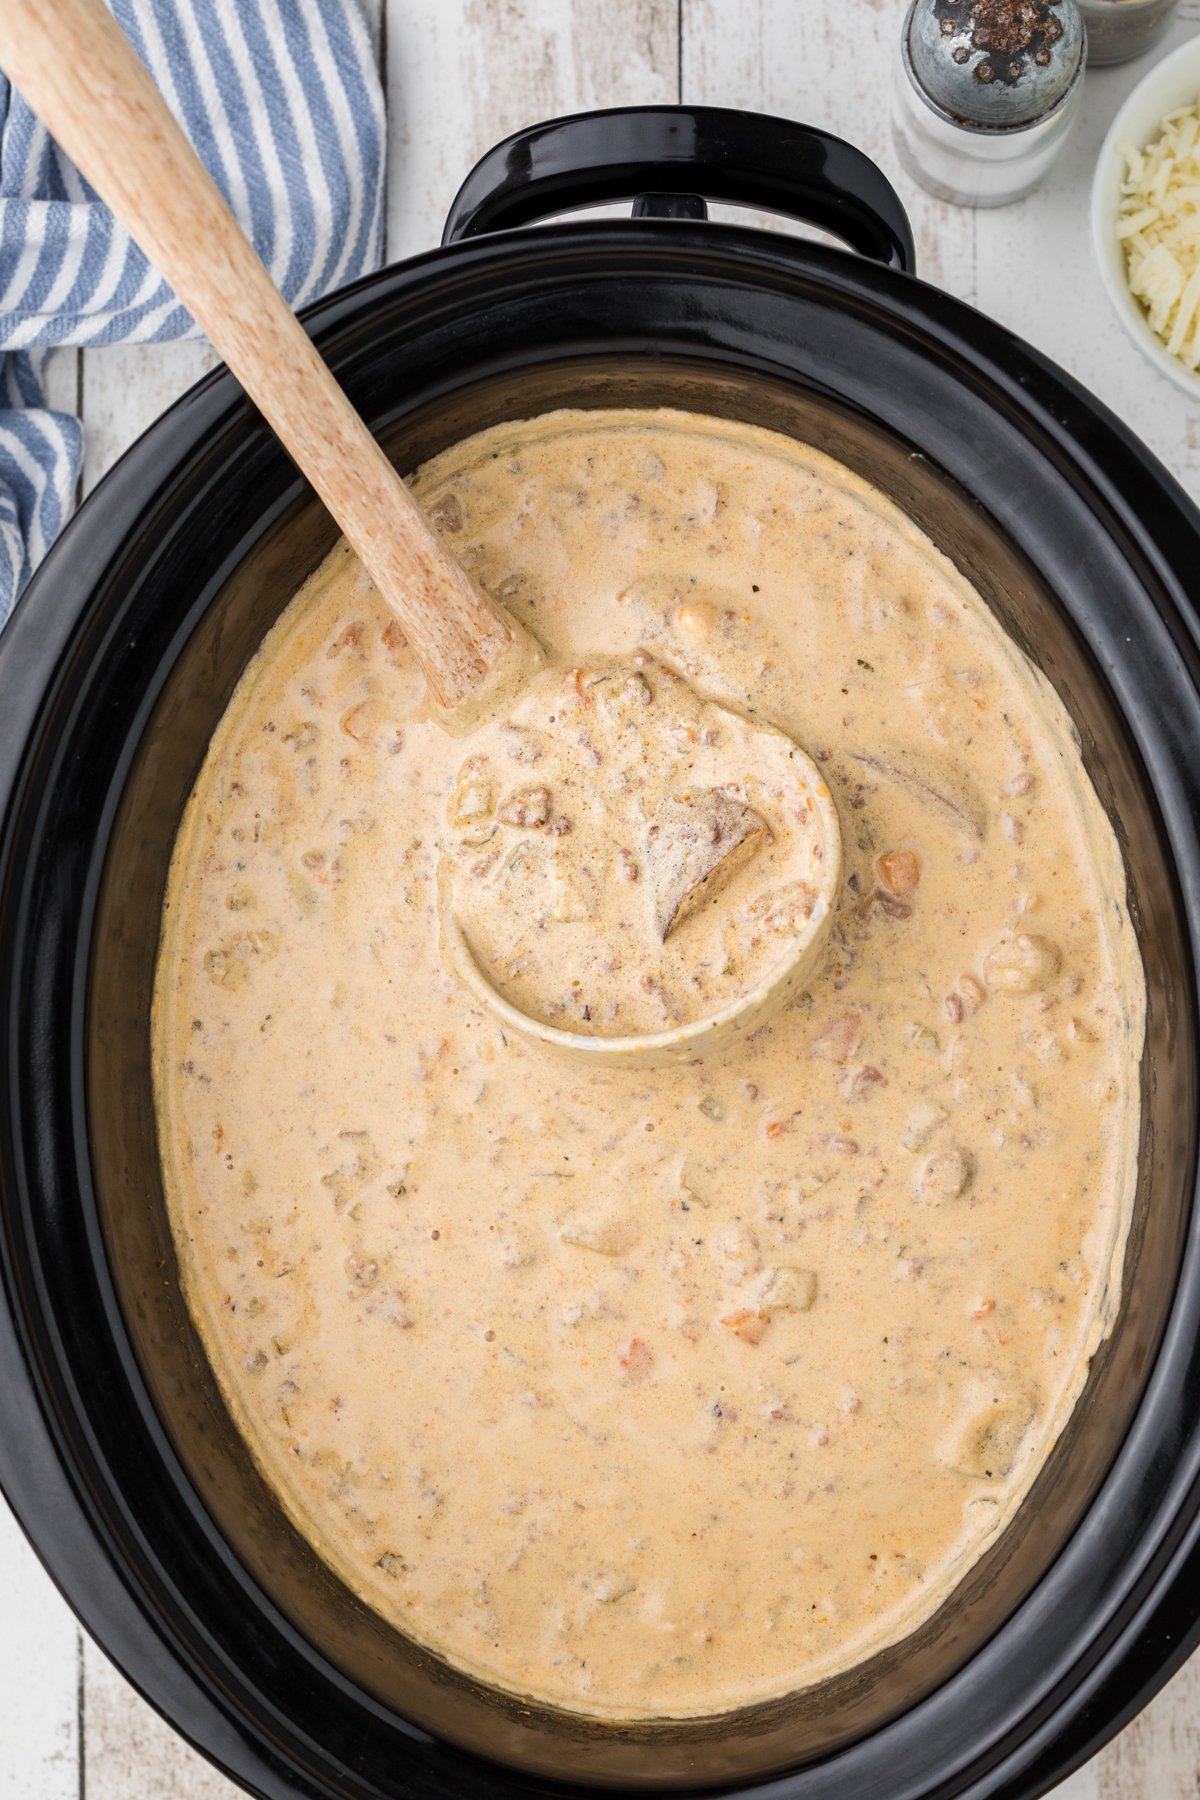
[(650, 1392)]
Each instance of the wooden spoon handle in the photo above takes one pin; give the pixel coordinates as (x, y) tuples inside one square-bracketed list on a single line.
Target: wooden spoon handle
[(74, 66)]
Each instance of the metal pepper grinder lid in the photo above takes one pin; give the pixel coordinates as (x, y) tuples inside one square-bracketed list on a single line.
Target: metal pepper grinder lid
[(998, 77), (995, 62)]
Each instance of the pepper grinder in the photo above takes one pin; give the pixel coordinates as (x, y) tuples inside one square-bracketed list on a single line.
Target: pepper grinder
[(986, 95)]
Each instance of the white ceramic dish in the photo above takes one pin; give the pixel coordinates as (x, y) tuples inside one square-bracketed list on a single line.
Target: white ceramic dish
[(1170, 84)]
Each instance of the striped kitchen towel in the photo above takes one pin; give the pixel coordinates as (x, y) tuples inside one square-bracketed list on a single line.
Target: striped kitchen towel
[(282, 100)]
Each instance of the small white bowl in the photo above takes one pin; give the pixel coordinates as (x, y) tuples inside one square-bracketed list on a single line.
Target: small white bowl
[(1172, 83)]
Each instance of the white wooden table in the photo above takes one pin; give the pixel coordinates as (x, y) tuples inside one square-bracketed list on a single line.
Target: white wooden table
[(461, 74)]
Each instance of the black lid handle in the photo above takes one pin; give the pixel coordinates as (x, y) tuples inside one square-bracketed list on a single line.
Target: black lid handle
[(670, 160)]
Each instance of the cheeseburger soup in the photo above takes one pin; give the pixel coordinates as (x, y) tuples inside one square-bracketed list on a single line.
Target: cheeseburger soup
[(651, 1392)]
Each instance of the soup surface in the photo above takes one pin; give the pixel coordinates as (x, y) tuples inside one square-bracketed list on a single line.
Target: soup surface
[(650, 1392)]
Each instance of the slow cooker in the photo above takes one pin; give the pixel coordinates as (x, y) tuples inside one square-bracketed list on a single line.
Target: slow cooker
[(116, 1450)]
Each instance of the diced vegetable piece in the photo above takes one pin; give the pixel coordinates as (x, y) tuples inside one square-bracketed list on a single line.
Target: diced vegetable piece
[(946, 1175), (1021, 964), (693, 1187), (923, 1121), (572, 896), (899, 871), (788, 1290)]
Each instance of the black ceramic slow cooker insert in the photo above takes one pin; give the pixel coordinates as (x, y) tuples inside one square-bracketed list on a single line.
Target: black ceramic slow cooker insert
[(115, 1446)]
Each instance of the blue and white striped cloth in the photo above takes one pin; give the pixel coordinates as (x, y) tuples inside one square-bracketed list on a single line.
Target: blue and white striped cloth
[(282, 100)]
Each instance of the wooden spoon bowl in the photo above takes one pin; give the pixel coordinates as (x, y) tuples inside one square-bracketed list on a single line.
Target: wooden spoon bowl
[(696, 885)]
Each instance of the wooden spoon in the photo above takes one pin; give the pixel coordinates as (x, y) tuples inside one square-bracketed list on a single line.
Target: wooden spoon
[(75, 67)]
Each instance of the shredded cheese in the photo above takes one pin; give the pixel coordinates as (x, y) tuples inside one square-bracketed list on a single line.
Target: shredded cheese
[(1158, 225)]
